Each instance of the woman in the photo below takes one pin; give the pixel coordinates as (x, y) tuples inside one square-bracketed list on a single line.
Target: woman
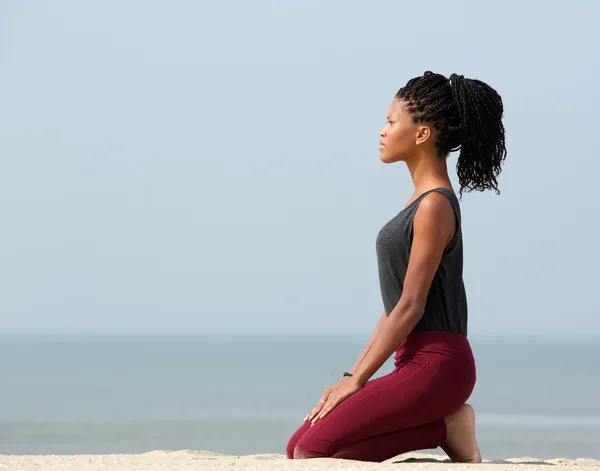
[(422, 403)]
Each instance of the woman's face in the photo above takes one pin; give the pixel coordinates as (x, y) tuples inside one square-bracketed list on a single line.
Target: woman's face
[(399, 136)]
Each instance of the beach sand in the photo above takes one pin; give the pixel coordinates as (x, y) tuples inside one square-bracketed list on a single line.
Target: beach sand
[(196, 460)]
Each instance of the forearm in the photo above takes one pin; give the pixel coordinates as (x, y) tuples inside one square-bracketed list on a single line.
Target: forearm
[(376, 331), (397, 327)]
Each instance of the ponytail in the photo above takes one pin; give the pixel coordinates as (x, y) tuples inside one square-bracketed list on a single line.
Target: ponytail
[(482, 148), (467, 115)]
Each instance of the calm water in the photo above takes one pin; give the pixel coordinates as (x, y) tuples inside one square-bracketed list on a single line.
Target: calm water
[(240, 395)]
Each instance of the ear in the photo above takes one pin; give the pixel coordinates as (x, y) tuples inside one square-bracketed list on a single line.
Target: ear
[(423, 134)]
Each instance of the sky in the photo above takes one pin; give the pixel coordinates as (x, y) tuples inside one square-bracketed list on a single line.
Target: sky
[(213, 166)]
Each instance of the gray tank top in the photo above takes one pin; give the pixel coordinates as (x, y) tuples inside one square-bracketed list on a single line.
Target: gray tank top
[(446, 306)]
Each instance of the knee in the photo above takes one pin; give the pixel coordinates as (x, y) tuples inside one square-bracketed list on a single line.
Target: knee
[(289, 449), (302, 454), (312, 447), (295, 451)]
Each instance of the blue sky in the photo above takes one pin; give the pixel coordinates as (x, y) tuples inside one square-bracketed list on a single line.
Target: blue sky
[(213, 166)]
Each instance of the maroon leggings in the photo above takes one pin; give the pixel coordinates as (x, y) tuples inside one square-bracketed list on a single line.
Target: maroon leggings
[(403, 411)]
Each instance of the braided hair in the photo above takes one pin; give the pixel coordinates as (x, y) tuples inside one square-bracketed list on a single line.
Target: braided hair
[(467, 115)]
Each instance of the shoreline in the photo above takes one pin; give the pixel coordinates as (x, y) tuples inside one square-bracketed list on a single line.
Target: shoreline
[(165, 460)]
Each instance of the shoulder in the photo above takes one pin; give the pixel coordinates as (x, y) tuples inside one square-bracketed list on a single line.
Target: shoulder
[(435, 211)]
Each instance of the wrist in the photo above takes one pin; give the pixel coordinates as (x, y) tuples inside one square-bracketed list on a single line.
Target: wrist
[(353, 376), (359, 378)]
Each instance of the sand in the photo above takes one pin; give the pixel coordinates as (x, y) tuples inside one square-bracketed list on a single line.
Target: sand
[(196, 460)]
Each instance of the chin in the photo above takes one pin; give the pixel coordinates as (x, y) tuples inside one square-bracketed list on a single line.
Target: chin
[(387, 159)]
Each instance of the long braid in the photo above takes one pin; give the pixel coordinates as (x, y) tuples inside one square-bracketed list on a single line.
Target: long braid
[(467, 115)]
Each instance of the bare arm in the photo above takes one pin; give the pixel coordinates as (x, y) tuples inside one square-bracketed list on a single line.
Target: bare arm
[(318, 408), (362, 356), (433, 228)]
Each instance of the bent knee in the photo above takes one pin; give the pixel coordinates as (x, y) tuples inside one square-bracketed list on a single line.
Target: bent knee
[(301, 453), (312, 448), (289, 449)]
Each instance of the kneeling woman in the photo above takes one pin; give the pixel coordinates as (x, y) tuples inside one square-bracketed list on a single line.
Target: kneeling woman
[(422, 403)]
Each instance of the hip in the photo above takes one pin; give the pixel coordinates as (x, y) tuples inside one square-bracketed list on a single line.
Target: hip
[(438, 348)]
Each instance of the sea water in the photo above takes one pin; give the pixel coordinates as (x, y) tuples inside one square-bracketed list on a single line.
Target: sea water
[(243, 394)]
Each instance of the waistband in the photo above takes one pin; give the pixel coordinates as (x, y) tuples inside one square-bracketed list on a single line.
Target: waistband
[(433, 341)]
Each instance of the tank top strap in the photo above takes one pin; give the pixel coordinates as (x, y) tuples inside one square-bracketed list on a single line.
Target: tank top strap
[(449, 194)]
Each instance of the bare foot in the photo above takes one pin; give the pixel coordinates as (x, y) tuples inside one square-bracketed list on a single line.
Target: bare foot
[(461, 445)]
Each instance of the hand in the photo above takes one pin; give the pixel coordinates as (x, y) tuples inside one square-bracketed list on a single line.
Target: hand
[(347, 387), (317, 409)]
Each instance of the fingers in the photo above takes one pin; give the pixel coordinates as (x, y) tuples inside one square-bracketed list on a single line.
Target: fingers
[(317, 409), (328, 408), (329, 405), (332, 400), (313, 413)]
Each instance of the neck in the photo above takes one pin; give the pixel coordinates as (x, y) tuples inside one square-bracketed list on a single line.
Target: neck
[(428, 171)]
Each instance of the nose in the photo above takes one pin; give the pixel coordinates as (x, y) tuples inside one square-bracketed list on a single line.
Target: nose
[(382, 132)]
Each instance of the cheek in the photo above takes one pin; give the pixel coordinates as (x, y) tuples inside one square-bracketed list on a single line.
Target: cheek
[(399, 141)]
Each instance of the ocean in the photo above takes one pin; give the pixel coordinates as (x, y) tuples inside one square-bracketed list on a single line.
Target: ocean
[(243, 394)]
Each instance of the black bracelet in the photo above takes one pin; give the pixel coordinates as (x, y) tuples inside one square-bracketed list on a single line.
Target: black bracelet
[(347, 374)]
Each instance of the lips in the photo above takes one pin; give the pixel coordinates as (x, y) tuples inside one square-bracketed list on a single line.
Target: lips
[(381, 143)]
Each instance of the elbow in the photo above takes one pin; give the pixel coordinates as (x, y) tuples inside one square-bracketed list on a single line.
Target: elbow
[(415, 312), (410, 311)]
